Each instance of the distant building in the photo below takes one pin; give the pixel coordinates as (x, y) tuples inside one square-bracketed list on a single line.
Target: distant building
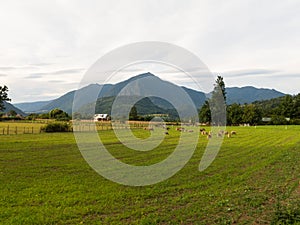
[(266, 119), (101, 117), (158, 115)]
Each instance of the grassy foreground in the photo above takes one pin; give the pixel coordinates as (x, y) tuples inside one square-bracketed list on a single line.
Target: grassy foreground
[(254, 180)]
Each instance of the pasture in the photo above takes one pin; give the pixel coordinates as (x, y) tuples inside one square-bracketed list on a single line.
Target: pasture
[(8, 128), (253, 180)]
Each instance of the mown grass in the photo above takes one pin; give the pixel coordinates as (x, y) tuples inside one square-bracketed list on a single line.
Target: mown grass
[(254, 180), (7, 128)]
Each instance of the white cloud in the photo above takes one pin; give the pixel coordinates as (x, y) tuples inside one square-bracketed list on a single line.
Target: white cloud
[(39, 37)]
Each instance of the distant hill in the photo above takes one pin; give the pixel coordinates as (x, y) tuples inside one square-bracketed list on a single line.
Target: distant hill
[(144, 106), (108, 91), (65, 102), (9, 107), (29, 107), (250, 94)]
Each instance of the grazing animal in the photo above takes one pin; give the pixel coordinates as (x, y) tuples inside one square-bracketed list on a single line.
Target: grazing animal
[(202, 129), (180, 128), (233, 132), (208, 136), (204, 133), (149, 128), (167, 133), (228, 135)]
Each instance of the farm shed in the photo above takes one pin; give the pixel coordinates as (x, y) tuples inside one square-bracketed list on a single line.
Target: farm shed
[(101, 117)]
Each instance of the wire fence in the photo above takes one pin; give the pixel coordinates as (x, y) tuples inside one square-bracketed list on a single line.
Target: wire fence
[(10, 129), (14, 128)]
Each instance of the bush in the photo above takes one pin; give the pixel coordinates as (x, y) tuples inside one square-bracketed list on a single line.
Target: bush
[(57, 127), (286, 216), (295, 121)]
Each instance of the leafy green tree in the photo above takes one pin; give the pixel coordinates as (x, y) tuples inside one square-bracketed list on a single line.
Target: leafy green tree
[(205, 114), (44, 116), (59, 114), (234, 114), (3, 96), (12, 113), (278, 120), (77, 116), (251, 114), (287, 106), (133, 115), (32, 116), (296, 112)]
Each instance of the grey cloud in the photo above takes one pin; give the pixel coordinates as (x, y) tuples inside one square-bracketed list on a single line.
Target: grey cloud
[(190, 70), (5, 68), (8, 68), (58, 72), (34, 76), (291, 75), (56, 81), (248, 72), (41, 64), (69, 71)]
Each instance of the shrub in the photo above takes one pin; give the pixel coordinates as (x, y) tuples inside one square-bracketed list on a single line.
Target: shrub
[(57, 127), (284, 215)]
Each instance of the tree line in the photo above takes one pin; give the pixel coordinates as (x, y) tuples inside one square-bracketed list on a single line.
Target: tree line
[(215, 111), (278, 111)]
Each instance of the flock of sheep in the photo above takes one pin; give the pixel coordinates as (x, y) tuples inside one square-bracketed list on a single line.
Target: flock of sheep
[(208, 134)]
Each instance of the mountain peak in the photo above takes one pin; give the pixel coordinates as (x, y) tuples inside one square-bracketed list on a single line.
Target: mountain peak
[(143, 75)]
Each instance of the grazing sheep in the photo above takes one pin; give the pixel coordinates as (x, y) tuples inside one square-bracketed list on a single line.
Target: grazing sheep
[(233, 132), (149, 128), (202, 129), (180, 128), (226, 133), (204, 133)]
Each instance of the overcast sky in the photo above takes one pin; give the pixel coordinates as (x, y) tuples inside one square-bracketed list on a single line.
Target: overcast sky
[(47, 46)]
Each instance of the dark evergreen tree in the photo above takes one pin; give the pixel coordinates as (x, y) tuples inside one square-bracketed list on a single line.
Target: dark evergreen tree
[(133, 115), (218, 103), (205, 114), (3, 96)]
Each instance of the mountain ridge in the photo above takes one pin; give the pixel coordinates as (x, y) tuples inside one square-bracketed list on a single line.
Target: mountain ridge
[(8, 107), (247, 94)]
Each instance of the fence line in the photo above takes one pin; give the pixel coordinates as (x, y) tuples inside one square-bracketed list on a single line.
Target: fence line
[(89, 126), (8, 130)]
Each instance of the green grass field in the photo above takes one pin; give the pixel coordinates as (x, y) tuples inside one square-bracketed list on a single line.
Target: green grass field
[(254, 180)]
